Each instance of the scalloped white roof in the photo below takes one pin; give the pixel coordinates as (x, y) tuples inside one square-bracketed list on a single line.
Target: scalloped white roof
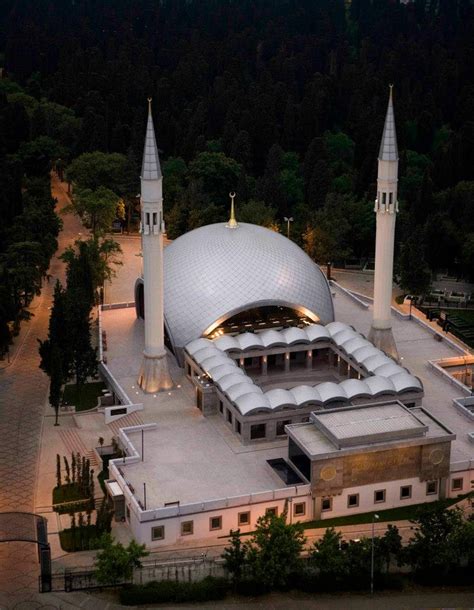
[(213, 273), (387, 377)]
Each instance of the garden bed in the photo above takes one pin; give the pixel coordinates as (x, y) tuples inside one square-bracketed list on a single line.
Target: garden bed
[(69, 498), (83, 397), (79, 539)]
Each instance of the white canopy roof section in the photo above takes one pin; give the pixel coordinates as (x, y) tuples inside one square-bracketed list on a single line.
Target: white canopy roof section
[(279, 398), (249, 403), (385, 376)]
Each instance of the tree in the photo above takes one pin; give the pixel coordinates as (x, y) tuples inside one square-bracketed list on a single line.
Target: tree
[(435, 549), (58, 470), (235, 556), (56, 381), (329, 558), (390, 545), (414, 275), (255, 212), (275, 549), (97, 208), (95, 170), (115, 563), (217, 173)]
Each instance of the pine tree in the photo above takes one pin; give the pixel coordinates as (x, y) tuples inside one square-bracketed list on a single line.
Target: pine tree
[(68, 471), (58, 470), (73, 467), (56, 381)]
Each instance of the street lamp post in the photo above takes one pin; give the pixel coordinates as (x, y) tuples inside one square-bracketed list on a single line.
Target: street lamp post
[(288, 220), (374, 518)]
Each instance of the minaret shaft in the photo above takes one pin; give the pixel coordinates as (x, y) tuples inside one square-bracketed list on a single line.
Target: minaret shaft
[(386, 208), (154, 375)]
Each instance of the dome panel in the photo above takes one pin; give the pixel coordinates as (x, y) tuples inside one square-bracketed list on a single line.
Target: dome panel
[(213, 273)]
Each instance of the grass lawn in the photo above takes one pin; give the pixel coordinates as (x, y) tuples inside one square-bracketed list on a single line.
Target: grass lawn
[(467, 316), (79, 540), (85, 397), (400, 513), (68, 493)]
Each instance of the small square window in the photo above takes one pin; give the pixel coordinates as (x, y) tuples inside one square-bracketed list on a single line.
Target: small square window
[(326, 504), (187, 528), (215, 523), (258, 431), (456, 485), (405, 492), (158, 532), (379, 496), (273, 510), (299, 509), (244, 518), (280, 427), (431, 488), (352, 500)]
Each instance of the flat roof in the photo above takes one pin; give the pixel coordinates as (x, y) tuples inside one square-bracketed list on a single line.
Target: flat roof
[(386, 425), (349, 427)]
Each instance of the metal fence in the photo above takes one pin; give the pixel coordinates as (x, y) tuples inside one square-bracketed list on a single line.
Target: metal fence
[(180, 570)]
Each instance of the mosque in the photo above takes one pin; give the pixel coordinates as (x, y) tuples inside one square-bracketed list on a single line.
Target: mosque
[(257, 398)]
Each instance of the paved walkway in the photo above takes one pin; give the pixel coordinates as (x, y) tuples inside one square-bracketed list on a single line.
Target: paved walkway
[(23, 394)]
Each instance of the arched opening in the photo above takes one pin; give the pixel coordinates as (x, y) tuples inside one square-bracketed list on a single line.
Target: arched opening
[(259, 318)]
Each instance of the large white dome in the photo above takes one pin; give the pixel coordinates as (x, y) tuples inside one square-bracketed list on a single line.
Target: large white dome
[(215, 272)]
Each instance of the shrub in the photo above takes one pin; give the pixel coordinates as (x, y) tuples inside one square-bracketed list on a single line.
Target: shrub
[(251, 588)]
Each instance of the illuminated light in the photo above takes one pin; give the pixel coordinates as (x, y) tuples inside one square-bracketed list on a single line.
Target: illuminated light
[(154, 395), (133, 387), (136, 392), (179, 385), (169, 393)]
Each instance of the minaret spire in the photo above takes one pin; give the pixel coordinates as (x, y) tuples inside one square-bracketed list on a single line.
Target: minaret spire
[(232, 224), (151, 169), (386, 208), (154, 375)]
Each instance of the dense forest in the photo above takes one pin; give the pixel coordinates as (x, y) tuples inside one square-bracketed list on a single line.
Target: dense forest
[(280, 101)]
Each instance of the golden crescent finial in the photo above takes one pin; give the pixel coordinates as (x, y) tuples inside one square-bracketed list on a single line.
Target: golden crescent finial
[(149, 103), (232, 224)]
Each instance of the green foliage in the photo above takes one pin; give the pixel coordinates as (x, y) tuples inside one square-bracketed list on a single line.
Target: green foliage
[(115, 563), (97, 169), (235, 556), (255, 212), (167, 591), (435, 549), (217, 173), (414, 274), (37, 155), (274, 552), (97, 208)]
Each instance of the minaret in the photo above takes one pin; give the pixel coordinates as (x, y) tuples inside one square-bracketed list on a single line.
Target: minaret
[(386, 208), (154, 375)]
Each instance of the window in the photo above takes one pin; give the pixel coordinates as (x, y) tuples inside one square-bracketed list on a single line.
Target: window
[(305, 419), (158, 532), (238, 426), (384, 200), (405, 492), (456, 484), (273, 510), (187, 528), (188, 369), (147, 219), (390, 199), (155, 219), (244, 518), (326, 504), (258, 431), (379, 496), (215, 523), (128, 513), (229, 416), (280, 428), (431, 488), (221, 406), (299, 509), (352, 500)]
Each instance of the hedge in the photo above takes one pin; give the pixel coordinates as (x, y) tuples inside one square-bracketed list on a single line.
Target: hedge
[(169, 591)]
